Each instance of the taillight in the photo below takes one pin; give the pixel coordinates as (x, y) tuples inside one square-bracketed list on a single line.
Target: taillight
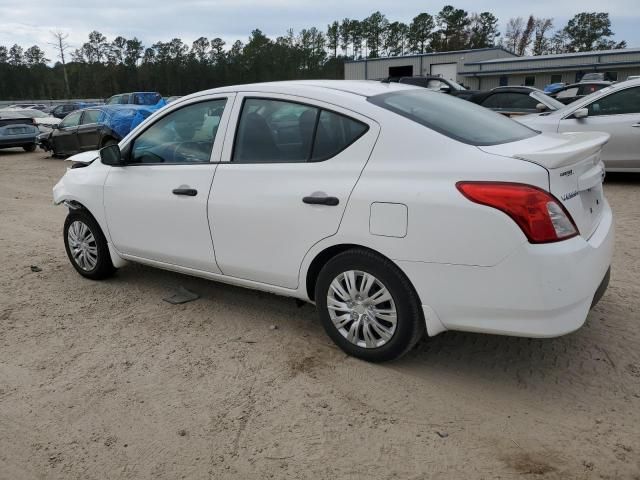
[(539, 214)]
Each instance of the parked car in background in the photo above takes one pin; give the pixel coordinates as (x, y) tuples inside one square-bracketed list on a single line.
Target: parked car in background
[(393, 208), (514, 101), (137, 98), (92, 128), (173, 98), (553, 87), (36, 106), (593, 76), (17, 131), (576, 91), (615, 110), (64, 109), (42, 120), (435, 83)]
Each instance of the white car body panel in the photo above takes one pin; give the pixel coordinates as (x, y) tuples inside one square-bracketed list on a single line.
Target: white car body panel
[(471, 266), (622, 152)]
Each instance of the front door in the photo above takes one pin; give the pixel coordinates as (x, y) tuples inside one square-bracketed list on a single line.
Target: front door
[(287, 174), (619, 115), (65, 138), (156, 205)]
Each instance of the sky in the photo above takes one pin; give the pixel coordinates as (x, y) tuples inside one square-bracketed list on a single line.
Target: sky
[(29, 22)]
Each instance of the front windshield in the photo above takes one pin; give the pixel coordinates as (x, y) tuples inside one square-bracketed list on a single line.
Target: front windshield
[(458, 119), (587, 98)]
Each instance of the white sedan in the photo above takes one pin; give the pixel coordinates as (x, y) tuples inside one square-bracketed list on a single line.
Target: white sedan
[(394, 209), (615, 110)]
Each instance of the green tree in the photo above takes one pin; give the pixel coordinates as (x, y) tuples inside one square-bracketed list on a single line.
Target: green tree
[(133, 52), (333, 38), (483, 30), (395, 38), (542, 43), (4, 54), (200, 49), (374, 29), (420, 32), (16, 56), (452, 34), (34, 56), (116, 50), (515, 27), (590, 31)]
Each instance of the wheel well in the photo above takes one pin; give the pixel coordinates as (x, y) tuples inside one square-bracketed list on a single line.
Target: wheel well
[(321, 259)]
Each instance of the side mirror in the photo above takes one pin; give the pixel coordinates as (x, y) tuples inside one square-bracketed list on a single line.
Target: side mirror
[(581, 113), (110, 155), (541, 107)]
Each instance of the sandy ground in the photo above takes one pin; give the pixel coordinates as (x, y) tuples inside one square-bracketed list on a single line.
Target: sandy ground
[(104, 380)]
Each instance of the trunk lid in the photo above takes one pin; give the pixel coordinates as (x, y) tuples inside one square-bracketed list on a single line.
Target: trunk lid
[(575, 170)]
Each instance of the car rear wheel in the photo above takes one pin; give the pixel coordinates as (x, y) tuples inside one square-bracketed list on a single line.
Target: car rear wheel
[(86, 246), (368, 306)]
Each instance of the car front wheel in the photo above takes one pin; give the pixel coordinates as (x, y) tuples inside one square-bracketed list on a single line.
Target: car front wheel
[(368, 306), (86, 246)]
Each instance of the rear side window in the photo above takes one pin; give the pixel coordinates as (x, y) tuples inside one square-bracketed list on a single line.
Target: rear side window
[(91, 116), (458, 119), (277, 131), (623, 102)]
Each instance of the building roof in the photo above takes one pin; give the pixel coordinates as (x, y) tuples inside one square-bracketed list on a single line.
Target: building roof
[(432, 54), (558, 56)]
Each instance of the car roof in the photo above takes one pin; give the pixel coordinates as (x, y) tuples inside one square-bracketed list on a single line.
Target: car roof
[(589, 82), (362, 88), (516, 88)]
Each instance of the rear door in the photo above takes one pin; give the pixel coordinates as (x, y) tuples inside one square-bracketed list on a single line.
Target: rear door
[(618, 114), (65, 138), (287, 174), (88, 133)]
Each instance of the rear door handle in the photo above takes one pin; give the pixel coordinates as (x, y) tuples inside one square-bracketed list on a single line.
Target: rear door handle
[(331, 201), (189, 192)]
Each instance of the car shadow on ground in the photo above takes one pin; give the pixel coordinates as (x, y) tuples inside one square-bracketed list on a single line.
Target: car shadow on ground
[(580, 359)]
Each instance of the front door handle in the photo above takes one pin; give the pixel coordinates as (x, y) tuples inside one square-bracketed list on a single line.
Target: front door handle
[(636, 125), (331, 201), (189, 192)]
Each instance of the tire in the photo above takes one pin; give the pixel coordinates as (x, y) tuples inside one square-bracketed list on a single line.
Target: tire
[(384, 340), (95, 263), (29, 148)]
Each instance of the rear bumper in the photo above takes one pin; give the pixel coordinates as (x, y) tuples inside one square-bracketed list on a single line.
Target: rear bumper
[(17, 140), (538, 291)]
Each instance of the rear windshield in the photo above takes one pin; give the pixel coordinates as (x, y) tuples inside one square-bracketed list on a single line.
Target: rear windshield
[(458, 119)]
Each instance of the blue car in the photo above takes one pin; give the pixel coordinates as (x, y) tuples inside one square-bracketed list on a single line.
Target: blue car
[(553, 87), (17, 131)]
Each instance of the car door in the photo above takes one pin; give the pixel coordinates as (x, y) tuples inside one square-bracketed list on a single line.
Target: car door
[(65, 138), (88, 130), (617, 113), (156, 205), (287, 172)]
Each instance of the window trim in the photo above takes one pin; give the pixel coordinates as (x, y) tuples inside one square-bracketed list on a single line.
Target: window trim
[(79, 119), (218, 142), (315, 129), (614, 92)]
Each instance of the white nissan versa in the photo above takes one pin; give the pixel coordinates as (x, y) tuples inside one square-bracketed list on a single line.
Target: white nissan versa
[(395, 209)]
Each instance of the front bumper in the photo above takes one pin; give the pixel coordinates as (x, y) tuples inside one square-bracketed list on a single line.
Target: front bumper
[(538, 291)]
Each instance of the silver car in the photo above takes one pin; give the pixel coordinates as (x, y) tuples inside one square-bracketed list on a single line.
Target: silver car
[(614, 110)]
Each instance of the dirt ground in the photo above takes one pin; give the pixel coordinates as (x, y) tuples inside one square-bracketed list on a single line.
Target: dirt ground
[(105, 380)]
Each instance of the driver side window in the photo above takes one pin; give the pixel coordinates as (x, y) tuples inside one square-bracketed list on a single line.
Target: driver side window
[(625, 101), (183, 136)]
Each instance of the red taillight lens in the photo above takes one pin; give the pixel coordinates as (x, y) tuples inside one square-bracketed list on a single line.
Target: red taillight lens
[(539, 214)]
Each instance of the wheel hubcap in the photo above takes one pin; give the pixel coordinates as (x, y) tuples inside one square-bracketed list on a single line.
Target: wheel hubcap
[(82, 245), (362, 309)]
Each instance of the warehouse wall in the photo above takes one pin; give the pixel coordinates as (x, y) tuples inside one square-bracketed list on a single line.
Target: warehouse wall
[(541, 78)]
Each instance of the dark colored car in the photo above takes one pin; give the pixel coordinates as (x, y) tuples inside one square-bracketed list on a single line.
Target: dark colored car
[(92, 128), (64, 109), (135, 98), (17, 131), (576, 91), (439, 84), (513, 101)]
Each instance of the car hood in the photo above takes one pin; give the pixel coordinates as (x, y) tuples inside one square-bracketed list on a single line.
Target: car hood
[(85, 157)]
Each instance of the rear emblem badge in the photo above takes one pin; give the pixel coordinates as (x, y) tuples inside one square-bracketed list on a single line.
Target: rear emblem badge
[(569, 196)]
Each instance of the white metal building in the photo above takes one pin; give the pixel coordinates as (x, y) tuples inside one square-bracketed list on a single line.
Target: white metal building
[(486, 68), (444, 64), (539, 71)]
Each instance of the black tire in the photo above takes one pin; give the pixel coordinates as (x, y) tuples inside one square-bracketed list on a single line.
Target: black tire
[(103, 267), (410, 325), (30, 147)]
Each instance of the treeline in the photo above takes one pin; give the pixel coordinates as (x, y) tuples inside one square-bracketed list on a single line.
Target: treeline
[(100, 68)]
